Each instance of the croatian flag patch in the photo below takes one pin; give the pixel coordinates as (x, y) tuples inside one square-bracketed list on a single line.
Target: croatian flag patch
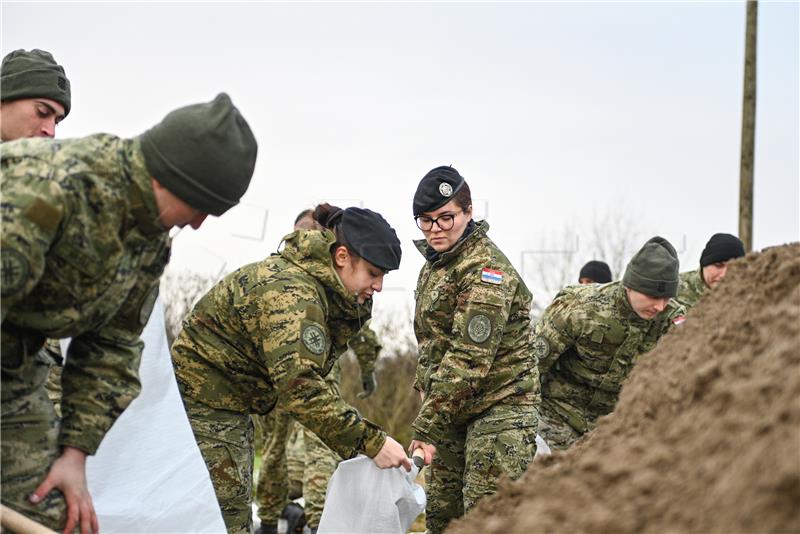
[(491, 276), (679, 320)]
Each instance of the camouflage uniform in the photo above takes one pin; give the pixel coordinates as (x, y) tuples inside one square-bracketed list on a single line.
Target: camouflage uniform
[(691, 288), (477, 371), (587, 342), (81, 258), (269, 332), (51, 353), (275, 480)]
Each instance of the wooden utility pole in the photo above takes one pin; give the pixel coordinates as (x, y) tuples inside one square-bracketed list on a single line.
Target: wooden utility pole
[(748, 129)]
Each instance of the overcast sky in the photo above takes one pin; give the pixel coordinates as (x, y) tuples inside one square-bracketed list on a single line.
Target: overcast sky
[(558, 114)]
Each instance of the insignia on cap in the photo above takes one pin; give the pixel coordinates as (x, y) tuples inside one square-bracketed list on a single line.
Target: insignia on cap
[(445, 189), (479, 328), (314, 339)]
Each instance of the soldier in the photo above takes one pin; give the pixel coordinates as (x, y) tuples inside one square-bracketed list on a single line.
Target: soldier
[(720, 249), (595, 272), (275, 483), (590, 337), (476, 375), (35, 98), (84, 242), (269, 333), (35, 95)]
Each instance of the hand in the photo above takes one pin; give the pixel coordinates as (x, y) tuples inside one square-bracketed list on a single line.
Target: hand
[(368, 383), (392, 455), (68, 474), (428, 448)]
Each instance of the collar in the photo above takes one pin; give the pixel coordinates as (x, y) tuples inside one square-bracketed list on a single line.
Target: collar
[(473, 232), (143, 208)]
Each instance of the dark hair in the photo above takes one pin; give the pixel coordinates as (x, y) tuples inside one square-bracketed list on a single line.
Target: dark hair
[(463, 198), (303, 214), (329, 217)]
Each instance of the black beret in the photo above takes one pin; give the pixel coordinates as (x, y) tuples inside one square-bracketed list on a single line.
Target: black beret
[(370, 236), (437, 189), (721, 247), (597, 271)]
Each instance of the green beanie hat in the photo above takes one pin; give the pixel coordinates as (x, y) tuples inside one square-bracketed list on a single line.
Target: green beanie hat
[(654, 269), (33, 74), (204, 154)]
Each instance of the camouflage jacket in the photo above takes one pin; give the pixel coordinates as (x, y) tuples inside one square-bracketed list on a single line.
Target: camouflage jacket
[(473, 327), (271, 331), (366, 347), (81, 257), (587, 342), (691, 288)]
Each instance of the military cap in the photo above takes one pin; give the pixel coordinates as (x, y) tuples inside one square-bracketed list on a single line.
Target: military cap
[(34, 74), (721, 247), (597, 271), (654, 269), (369, 235), (436, 189), (204, 154)]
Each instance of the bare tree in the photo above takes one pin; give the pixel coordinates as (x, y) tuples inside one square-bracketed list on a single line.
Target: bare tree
[(180, 291), (556, 262)]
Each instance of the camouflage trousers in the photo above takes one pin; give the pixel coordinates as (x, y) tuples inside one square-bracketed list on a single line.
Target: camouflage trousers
[(225, 439), (29, 433), (295, 451), (280, 478), (558, 434), (470, 460)]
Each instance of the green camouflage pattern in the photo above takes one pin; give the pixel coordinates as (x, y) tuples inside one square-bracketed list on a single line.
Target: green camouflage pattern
[(281, 457), (280, 477), (555, 430), (81, 257), (470, 460), (587, 341), (225, 439), (269, 333), (691, 288), (51, 353), (474, 336)]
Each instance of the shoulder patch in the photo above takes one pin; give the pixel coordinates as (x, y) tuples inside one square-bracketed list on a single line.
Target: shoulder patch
[(540, 346), (43, 215), (490, 276), (479, 328), (314, 339), (14, 269)]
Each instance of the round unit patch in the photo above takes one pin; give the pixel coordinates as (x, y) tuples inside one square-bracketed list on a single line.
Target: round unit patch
[(314, 339), (14, 268), (540, 346), (479, 328), (445, 189)]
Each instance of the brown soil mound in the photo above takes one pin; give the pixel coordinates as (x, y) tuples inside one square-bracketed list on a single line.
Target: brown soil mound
[(706, 434)]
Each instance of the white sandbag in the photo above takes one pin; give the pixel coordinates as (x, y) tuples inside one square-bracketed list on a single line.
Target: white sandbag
[(542, 448), (364, 499), (148, 474)]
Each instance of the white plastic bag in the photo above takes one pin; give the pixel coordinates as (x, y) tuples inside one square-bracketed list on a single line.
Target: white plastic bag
[(364, 499)]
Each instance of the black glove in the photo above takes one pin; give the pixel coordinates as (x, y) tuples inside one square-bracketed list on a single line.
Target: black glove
[(368, 384)]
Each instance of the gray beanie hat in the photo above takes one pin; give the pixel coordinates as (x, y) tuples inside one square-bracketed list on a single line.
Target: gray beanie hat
[(34, 74), (654, 269), (204, 154)]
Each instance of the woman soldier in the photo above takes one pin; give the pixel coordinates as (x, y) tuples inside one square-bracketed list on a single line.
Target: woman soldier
[(269, 333), (476, 374)]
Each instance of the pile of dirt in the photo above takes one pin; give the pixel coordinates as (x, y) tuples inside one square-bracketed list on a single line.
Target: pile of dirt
[(706, 434)]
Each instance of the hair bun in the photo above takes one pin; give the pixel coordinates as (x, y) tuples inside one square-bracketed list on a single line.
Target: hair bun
[(327, 215)]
